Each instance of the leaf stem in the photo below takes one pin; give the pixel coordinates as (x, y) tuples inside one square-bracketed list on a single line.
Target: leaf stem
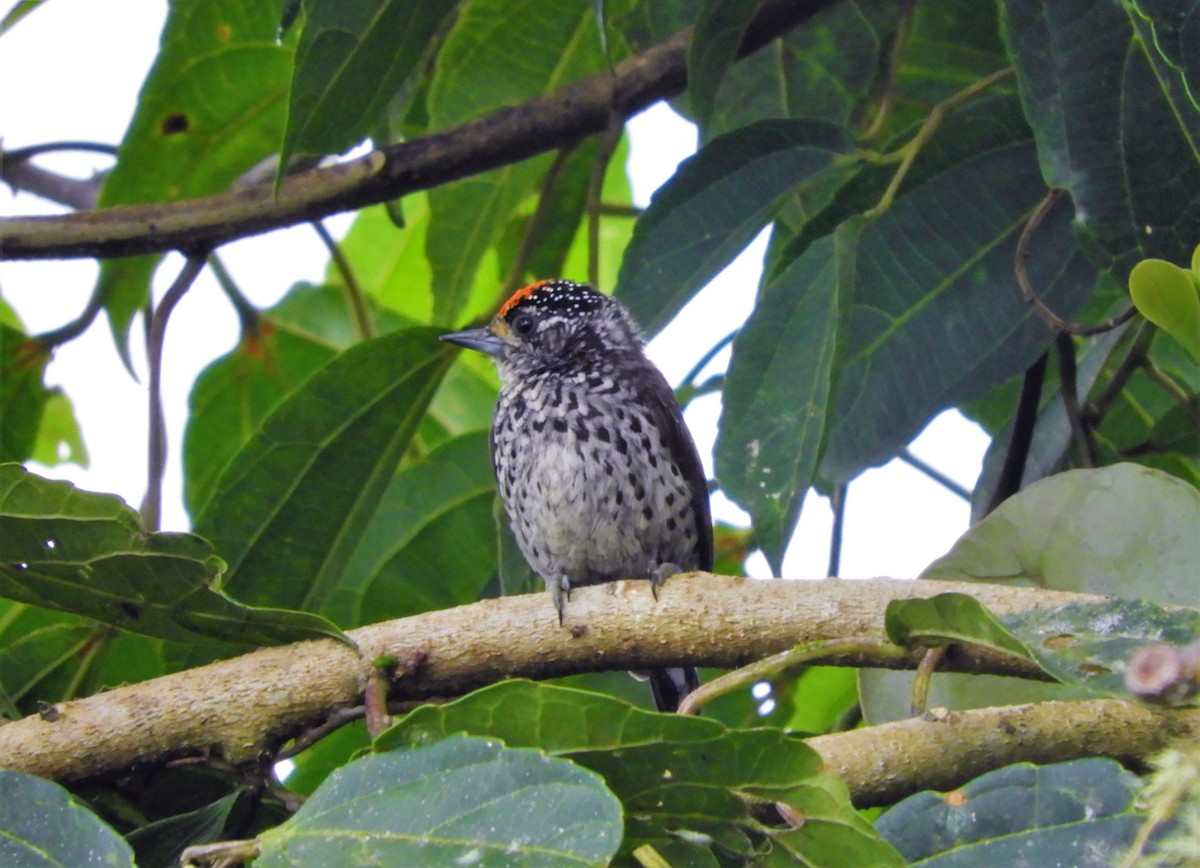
[(351, 288)]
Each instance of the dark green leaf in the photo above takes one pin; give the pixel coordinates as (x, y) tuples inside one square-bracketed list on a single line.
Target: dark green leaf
[(42, 663), (948, 619), (461, 800), (1079, 813), (292, 505), (159, 844), (75, 551), (430, 544), (22, 396), (42, 824), (674, 775), (1125, 530), (1114, 125), (780, 385), (938, 317), (351, 60), (212, 107), (716, 203), (715, 41)]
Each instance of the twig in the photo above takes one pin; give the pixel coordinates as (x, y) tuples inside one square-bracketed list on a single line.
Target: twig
[(1064, 349), (1163, 380), (351, 288), (923, 679), (604, 154), (768, 667), (1098, 408), (907, 154), (1020, 258), (157, 447), (247, 313), (887, 97), (535, 225), (1024, 421), (837, 532), (30, 151), (51, 339), (906, 455)]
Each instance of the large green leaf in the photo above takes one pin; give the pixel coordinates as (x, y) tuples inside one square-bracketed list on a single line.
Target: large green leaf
[(1126, 530), (351, 60), (780, 387), (292, 505), (42, 824), (684, 781), (938, 317), (1114, 125), (212, 107), (557, 43), (715, 40), (461, 800), (430, 544), (1080, 813), (717, 202), (76, 551)]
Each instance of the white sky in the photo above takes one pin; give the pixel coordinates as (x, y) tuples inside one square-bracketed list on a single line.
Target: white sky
[(58, 81)]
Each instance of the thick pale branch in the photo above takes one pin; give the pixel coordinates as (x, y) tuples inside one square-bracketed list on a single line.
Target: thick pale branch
[(241, 709), (509, 135), (882, 764)]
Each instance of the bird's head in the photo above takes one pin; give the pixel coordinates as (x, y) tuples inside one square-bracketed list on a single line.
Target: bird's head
[(553, 325)]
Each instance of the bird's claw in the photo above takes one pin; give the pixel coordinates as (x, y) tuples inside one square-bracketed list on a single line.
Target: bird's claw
[(660, 575)]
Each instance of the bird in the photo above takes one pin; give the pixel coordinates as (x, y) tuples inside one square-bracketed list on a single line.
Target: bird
[(597, 471)]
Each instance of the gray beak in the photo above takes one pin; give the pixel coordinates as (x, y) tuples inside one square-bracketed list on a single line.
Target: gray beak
[(481, 339)]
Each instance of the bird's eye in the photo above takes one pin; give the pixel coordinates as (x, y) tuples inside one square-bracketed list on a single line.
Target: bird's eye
[(523, 325)]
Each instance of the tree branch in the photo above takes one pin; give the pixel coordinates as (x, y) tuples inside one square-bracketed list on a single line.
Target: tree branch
[(245, 708), (545, 123), (882, 764)]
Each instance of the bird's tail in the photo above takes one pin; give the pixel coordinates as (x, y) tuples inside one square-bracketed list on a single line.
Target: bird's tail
[(670, 686)]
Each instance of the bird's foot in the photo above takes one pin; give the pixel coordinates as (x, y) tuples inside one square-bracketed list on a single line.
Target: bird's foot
[(660, 575), (560, 593)]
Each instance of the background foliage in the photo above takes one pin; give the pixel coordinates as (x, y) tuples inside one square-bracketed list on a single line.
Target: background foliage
[(958, 194)]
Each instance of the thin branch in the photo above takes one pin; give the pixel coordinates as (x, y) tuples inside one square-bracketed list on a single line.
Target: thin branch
[(887, 98), (501, 138), (908, 457), (837, 532), (1020, 437), (535, 225), (247, 313), (157, 448), (59, 336), (923, 679), (30, 151), (604, 154), (1138, 348), (1021, 257), (21, 175), (1164, 381), (350, 285), (1064, 349)]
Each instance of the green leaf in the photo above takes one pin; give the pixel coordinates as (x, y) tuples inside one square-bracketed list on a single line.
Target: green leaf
[(212, 107), (774, 423), (292, 505), (716, 203), (42, 824), (475, 73), (1167, 295), (85, 553), (1114, 125), (1075, 813), (430, 544), (23, 397), (715, 41), (938, 316), (679, 778), (59, 439), (1089, 645), (461, 800), (233, 395), (949, 619), (159, 844), (41, 664), (388, 262), (351, 60), (1125, 530)]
